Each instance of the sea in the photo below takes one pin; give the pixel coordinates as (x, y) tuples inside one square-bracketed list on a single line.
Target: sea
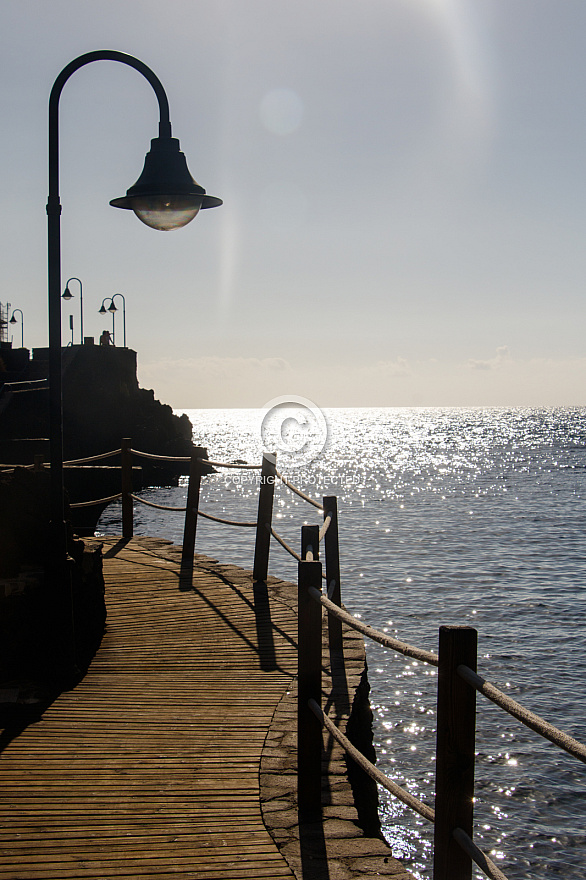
[(471, 516)]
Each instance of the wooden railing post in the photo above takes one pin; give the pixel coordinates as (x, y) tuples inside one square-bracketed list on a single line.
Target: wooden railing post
[(126, 478), (310, 542), (264, 520), (309, 736), (332, 555), (191, 510), (456, 720)]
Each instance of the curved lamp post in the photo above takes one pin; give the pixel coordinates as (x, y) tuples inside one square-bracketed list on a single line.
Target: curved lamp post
[(14, 321), (67, 295), (104, 311), (112, 308), (165, 197)]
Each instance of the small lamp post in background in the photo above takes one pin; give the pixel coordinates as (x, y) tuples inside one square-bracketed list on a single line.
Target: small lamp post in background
[(14, 321), (104, 311), (112, 308), (67, 295), (165, 197)]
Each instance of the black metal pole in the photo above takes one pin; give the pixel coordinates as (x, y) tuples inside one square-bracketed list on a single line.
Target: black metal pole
[(57, 510), (113, 309), (73, 278)]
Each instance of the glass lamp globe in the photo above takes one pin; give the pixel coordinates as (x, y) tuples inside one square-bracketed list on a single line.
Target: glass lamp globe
[(166, 196), (166, 212)]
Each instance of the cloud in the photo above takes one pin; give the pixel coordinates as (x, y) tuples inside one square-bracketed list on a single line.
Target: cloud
[(503, 357), (399, 367), (218, 382)]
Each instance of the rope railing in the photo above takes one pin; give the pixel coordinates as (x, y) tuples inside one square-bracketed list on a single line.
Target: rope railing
[(298, 492), (476, 854), (480, 858), (95, 503), (485, 863), (286, 546), (293, 553), (154, 457), (457, 680), (454, 848), (525, 716), (198, 460), (89, 458), (400, 793), (158, 506), (228, 522), (325, 527), (376, 635)]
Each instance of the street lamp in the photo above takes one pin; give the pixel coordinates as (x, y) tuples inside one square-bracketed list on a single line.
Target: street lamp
[(165, 196), (112, 308), (67, 295), (14, 321), (104, 311)]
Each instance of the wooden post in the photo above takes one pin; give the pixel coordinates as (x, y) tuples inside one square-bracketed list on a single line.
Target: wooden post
[(264, 520), (332, 554), (126, 477), (310, 542), (454, 786), (309, 736), (39, 463), (191, 510)]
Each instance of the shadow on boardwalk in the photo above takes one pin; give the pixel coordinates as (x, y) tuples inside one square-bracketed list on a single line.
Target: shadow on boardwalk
[(175, 754)]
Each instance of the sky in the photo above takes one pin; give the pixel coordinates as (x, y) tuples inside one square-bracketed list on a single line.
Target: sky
[(404, 186)]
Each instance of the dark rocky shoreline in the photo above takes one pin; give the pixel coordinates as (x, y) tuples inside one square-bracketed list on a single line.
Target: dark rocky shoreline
[(102, 403)]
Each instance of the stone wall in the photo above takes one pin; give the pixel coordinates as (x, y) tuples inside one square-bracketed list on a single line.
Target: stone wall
[(38, 646)]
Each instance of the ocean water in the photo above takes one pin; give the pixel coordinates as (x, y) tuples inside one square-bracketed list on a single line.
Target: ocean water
[(447, 516)]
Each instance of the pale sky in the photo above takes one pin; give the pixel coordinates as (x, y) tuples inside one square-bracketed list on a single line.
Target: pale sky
[(404, 186)]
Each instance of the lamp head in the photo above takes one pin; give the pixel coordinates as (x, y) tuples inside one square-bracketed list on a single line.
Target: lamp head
[(102, 310), (166, 196), (112, 307), (67, 294), (12, 320)]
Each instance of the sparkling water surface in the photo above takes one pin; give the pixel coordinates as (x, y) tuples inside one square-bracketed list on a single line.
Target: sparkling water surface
[(447, 516)]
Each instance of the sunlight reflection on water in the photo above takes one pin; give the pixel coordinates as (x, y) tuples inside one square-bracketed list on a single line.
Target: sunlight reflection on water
[(463, 516)]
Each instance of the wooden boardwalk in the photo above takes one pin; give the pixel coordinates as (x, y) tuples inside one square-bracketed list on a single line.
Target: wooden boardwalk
[(150, 766)]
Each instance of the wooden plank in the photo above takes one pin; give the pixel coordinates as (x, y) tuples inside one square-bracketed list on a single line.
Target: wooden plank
[(150, 766)]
